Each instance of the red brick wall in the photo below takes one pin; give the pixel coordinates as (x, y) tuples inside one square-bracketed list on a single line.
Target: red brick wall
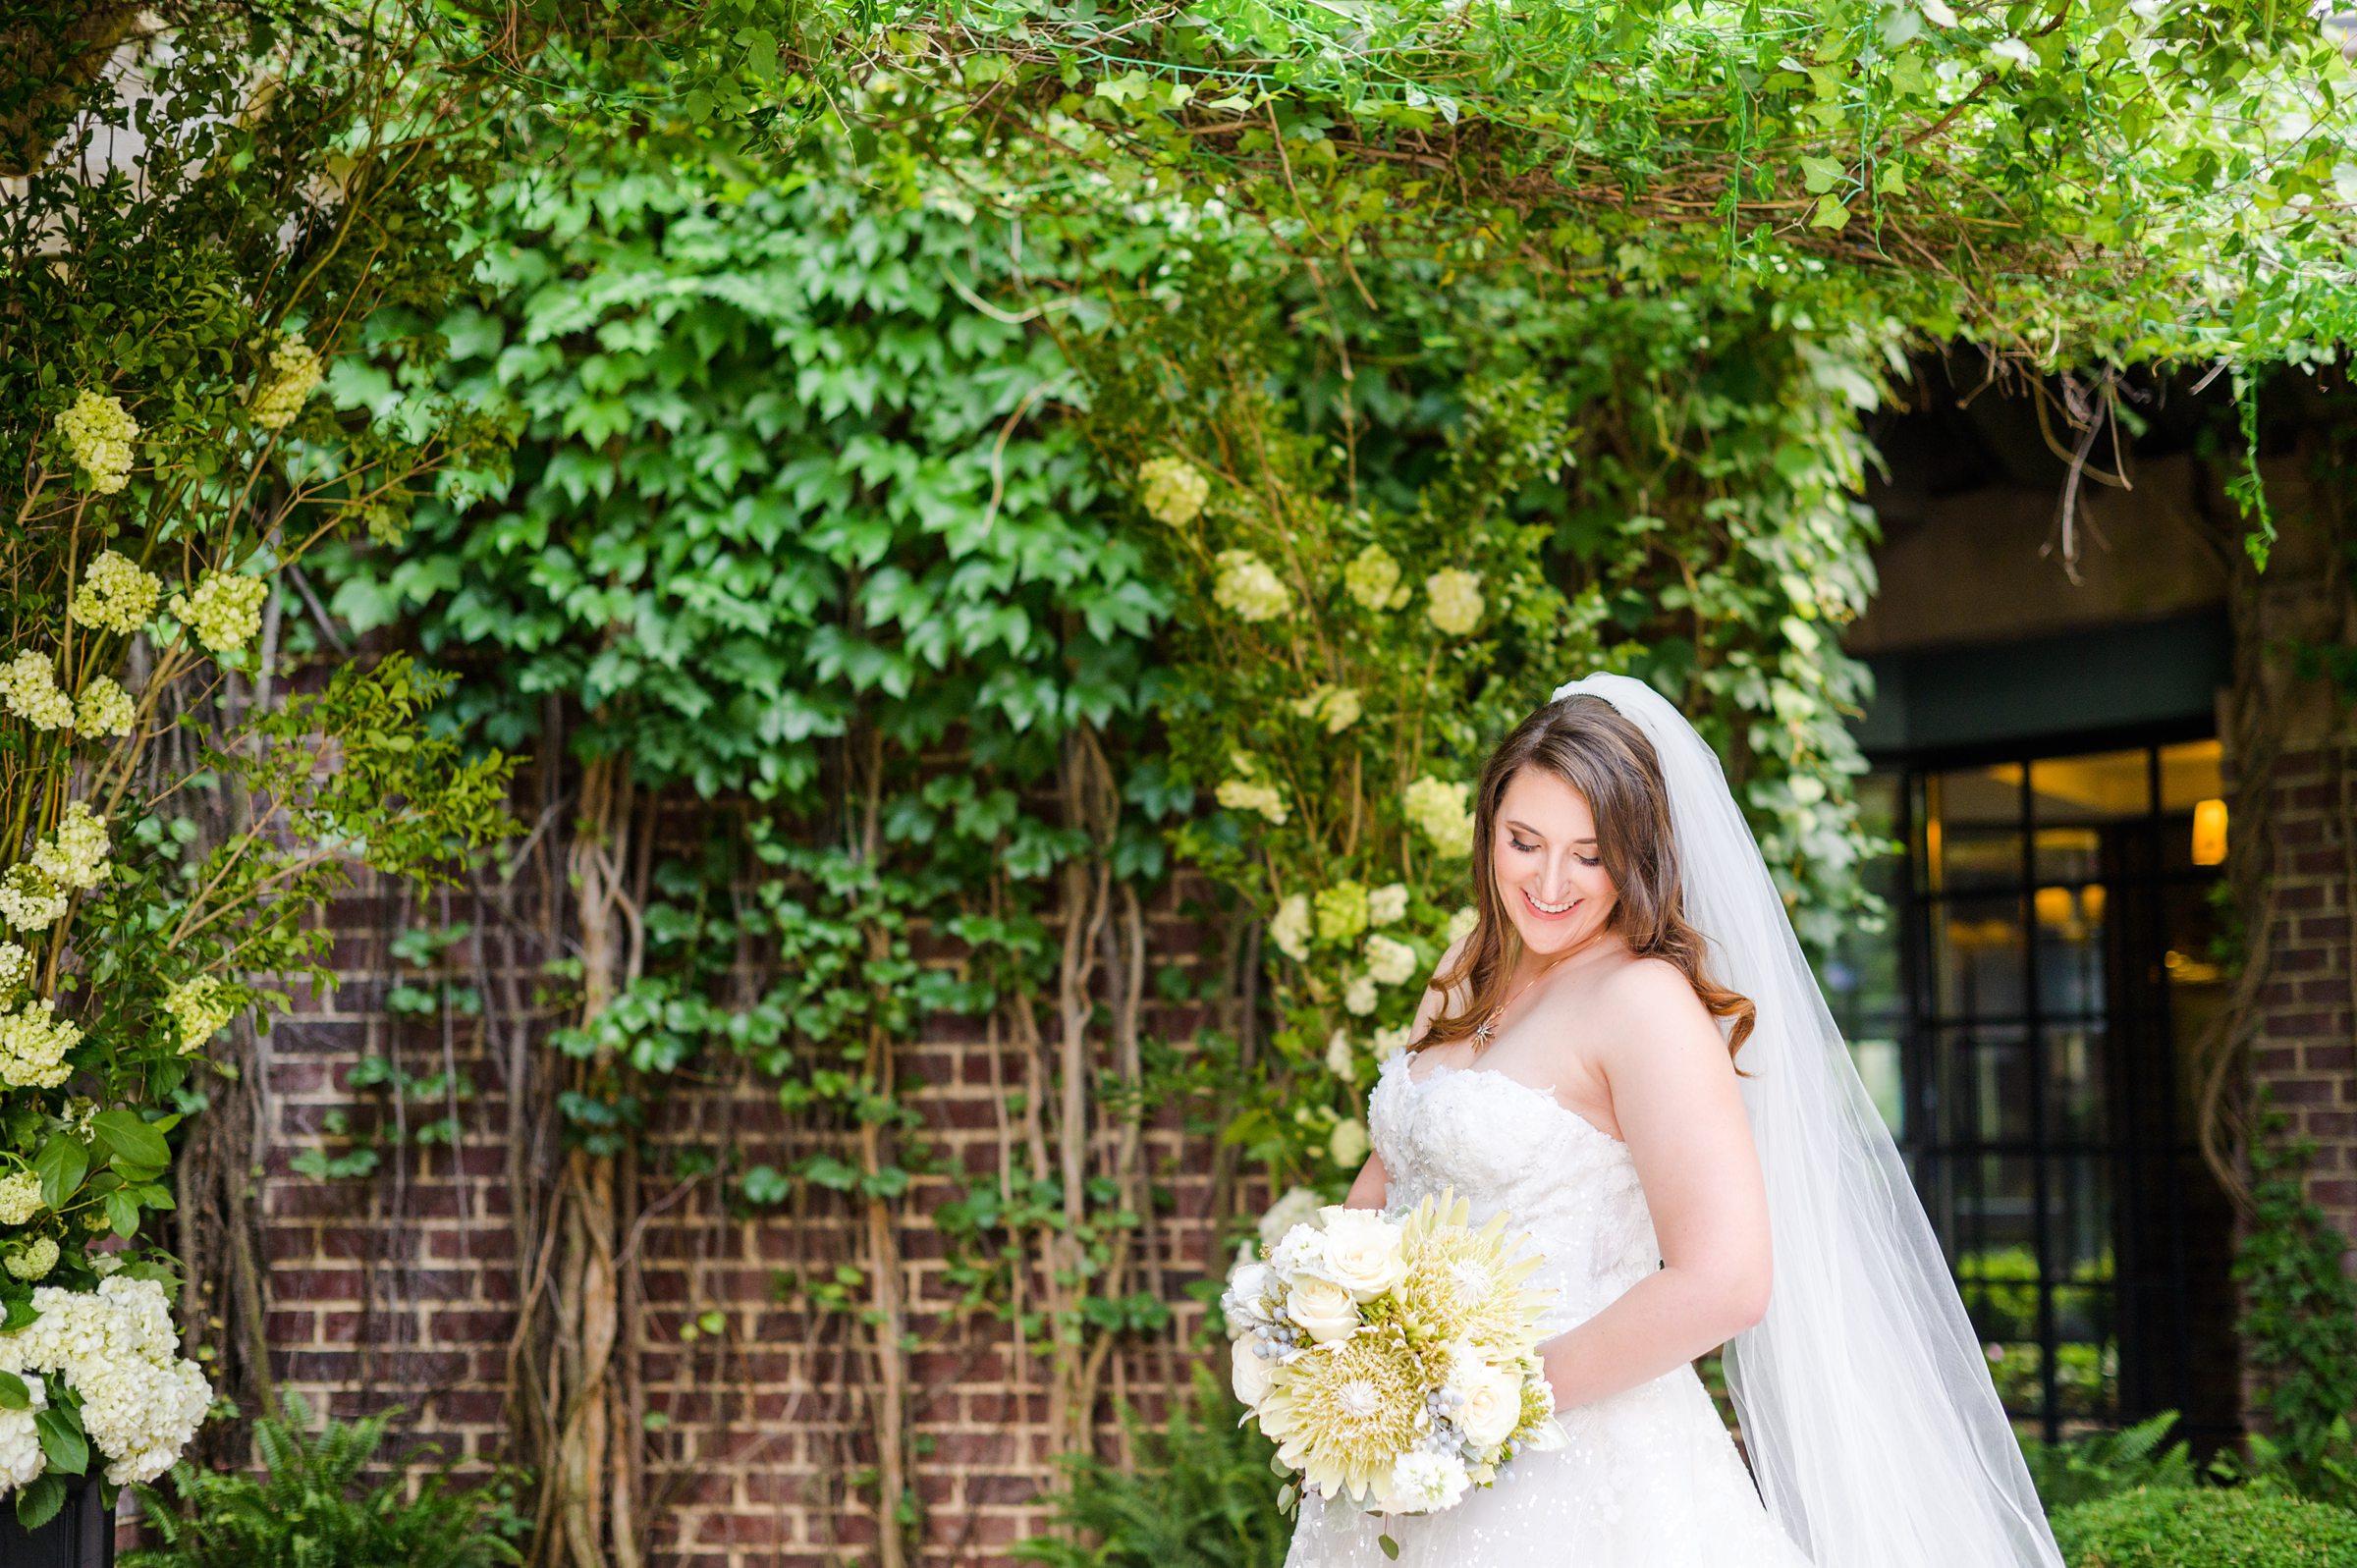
[(400, 1287), (2307, 1050)]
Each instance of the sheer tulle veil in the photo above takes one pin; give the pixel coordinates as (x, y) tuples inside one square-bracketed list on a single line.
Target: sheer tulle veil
[(1867, 1407)]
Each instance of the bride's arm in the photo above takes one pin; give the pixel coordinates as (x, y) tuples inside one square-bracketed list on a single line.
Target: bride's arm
[(1371, 1187), (1674, 1096)]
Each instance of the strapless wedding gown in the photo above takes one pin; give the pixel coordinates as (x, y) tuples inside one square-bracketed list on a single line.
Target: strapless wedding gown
[(1650, 1477)]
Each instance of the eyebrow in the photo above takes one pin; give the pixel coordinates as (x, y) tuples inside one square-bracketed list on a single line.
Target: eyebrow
[(1535, 834)]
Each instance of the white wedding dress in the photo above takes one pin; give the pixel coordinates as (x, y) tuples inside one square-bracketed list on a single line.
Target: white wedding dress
[(1650, 1477)]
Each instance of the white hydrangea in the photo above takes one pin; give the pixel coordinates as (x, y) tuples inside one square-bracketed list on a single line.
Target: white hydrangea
[(1455, 606), (200, 1010), (1359, 995), (99, 432), (15, 967), (1389, 1042), (1250, 795), (21, 1458), (28, 899), (1341, 1059), (104, 709), (1389, 963), (33, 1042), (1336, 707), (29, 685), (35, 1262), (115, 595), (294, 374), (1172, 490), (116, 1347), (1299, 1206), (74, 855), (1441, 810), (1387, 903), (1462, 924), (20, 1197), (1373, 579), (1423, 1481), (1348, 1144), (1290, 926), (225, 610), (1248, 589)]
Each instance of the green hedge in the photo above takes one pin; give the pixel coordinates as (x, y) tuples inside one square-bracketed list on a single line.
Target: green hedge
[(2209, 1527)]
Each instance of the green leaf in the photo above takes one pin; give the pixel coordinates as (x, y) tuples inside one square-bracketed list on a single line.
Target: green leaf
[(1830, 213), (131, 1139), (63, 1440), (15, 1394), (38, 1502), (1821, 175), (61, 1164)]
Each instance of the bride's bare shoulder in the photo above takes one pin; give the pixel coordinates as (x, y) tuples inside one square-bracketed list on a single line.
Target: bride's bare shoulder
[(1642, 1001)]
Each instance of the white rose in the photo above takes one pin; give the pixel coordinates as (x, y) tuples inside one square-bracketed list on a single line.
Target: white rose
[(1321, 1309), (1242, 1304), (1249, 1372), (1298, 1204), (1493, 1406), (1363, 1252)]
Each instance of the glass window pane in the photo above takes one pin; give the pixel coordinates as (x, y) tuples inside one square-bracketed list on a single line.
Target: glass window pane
[(2076, 799), (2191, 773), (1979, 959), (2070, 950), (1971, 832), (2075, 1083), (1984, 1085)]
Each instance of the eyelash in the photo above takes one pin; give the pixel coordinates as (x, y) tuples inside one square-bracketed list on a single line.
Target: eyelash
[(1527, 848)]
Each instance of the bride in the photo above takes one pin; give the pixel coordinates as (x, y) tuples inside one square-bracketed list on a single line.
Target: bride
[(1629, 1055)]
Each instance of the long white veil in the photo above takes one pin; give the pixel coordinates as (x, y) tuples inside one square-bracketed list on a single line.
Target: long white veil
[(1867, 1407)]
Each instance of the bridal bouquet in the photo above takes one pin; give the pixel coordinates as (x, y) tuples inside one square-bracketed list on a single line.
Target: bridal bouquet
[(1393, 1361)]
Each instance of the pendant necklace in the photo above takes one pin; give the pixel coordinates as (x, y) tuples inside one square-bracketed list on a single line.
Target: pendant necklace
[(1488, 1026)]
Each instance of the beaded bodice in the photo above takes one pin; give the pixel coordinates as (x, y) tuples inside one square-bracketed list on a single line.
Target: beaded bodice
[(1503, 1144)]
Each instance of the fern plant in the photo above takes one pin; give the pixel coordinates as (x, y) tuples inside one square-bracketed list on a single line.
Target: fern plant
[(1201, 1495), (322, 1501), (2108, 1463)]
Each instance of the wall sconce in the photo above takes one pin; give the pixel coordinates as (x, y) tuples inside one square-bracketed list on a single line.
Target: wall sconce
[(2208, 832)]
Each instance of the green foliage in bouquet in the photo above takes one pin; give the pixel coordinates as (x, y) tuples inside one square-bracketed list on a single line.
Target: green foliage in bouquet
[(1199, 1492), (329, 1498)]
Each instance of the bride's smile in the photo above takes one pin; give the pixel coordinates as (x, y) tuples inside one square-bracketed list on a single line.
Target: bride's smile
[(1549, 870)]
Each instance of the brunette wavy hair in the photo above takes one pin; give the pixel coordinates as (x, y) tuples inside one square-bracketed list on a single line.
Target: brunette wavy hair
[(1587, 743)]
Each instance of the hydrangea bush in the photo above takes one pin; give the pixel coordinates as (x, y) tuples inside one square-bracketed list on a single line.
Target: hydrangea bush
[(185, 416)]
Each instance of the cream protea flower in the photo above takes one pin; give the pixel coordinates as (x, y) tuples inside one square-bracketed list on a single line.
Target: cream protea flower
[(1465, 1283), (74, 855), (294, 374), (115, 595), (1387, 903), (29, 685), (200, 1010), (35, 1262), (1373, 579), (1172, 490), (1341, 912), (1454, 596), (224, 610), (28, 899), (1389, 963), (1248, 589), (1252, 794), (98, 432), (1439, 810), (104, 709), (34, 1043), (1342, 1413), (20, 1197), (1336, 707), (1290, 927)]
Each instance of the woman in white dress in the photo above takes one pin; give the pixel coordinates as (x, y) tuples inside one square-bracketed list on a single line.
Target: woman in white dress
[(1629, 1055)]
